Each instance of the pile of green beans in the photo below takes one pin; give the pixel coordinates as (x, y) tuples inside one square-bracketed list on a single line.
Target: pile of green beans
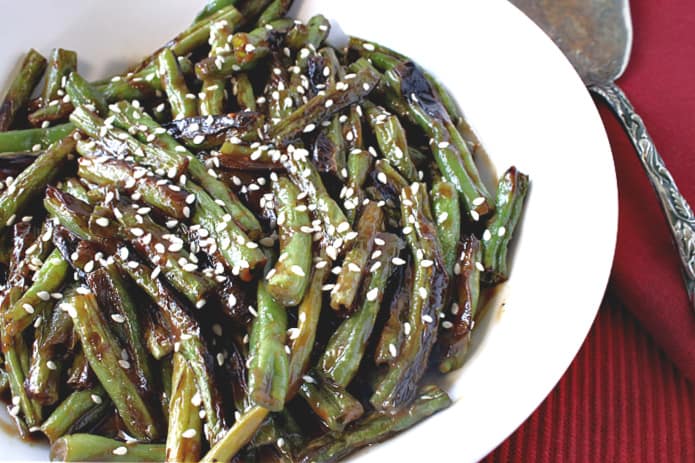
[(250, 245)]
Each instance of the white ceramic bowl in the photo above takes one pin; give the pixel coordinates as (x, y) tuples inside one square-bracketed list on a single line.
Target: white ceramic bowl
[(529, 108)]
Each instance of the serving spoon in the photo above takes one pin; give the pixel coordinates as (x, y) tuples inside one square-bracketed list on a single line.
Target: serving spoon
[(596, 36)]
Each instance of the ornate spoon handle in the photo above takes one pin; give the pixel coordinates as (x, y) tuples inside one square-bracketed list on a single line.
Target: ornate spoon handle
[(678, 213)]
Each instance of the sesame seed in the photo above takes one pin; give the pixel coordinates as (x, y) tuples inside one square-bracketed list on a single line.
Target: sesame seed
[(501, 231), (96, 399), (425, 263), (102, 221), (308, 379), (478, 201), (28, 308), (297, 270), (446, 324), (309, 128), (442, 217), (422, 292), (427, 319), (43, 295), (373, 294), (397, 261), (392, 350), (475, 216), (443, 144), (120, 451), (51, 365), (118, 318), (200, 304), (124, 364), (368, 46), (480, 266), (189, 433), (382, 178), (487, 235)]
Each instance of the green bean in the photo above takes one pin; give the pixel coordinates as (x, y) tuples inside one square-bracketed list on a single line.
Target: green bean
[(114, 298), (447, 214), (237, 437), (268, 362), (90, 447), (330, 402), (31, 182), (82, 92), (289, 278), (390, 136), (72, 213), (359, 163), (60, 64), (16, 141), (394, 331), (511, 193), (42, 382), (456, 335), (71, 410), (329, 149), (374, 428), (399, 384), (74, 187), (183, 103), (304, 335), (104, 355), (21, 87), (354, 266), (16, 358), (336, 227), (212, 97), (347, 345), (275, 10), (48, 279), (211, 7), (243, 91), (183, 443)]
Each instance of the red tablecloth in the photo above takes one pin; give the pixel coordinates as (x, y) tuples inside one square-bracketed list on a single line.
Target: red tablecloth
[(625, 397)]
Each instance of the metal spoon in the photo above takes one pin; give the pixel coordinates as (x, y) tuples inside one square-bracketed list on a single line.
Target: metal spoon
[(596, 36)]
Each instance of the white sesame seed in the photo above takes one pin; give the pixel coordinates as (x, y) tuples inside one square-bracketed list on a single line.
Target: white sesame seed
[(43, 295), (28, 308), (427, 319), (200, 304), (480, 266), (393, 351), (102, 221), (487, 235), (51, 365), (474, 215), (309, 128), (382, 178), (124, 364), (118, 318), (478, 201), (189, 433), (120, 451), (501, 231), (368, 46), (308, 379), (425, 263), (406, 328), (422, 292), (96, 399)]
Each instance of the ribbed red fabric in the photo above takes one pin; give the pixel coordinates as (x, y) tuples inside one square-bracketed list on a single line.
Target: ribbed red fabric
[(622, 400)]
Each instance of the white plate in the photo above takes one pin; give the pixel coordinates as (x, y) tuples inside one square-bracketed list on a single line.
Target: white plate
[(529, 108)]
